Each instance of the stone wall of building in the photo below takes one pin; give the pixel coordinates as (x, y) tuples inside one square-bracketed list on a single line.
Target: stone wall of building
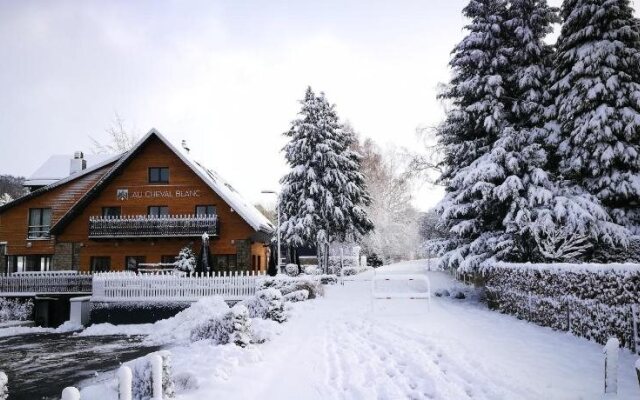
[(243, 253), (66, 256)]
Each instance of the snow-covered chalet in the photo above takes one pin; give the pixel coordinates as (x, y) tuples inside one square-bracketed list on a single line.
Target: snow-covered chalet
[(140, 207)]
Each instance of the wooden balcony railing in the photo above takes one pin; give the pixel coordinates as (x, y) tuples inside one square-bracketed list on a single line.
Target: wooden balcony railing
[(142, 226)]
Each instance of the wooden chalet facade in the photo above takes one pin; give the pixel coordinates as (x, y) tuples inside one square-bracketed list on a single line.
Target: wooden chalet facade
[(141, 207)]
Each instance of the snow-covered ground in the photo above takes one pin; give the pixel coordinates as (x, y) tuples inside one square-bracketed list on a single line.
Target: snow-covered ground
[(340, 347)]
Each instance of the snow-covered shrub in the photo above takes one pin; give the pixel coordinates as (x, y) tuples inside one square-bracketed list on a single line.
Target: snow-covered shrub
[(232, 327), (186, 381), (292, 269), (312, 270), (4, 386), (589, 300), (328, 279), (186, 260), (298, 295), (348, 271), (286, 285), (142, 383), (15, 310), (267, 304)]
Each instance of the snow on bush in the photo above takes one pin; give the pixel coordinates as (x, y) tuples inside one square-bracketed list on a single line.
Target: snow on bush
[(4, 386), (328, 279), (298, 295), (286, 285), (312, 270), (142, 383), (348, 271), (292, 269), (186, 260), (589, 300), (15, 310), (267, 304), (232, 327)]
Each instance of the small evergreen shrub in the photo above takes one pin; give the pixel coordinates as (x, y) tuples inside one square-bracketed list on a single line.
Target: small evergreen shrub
[(292, 269), (232, 327), (267, 304), (15, 310), (298, 295)]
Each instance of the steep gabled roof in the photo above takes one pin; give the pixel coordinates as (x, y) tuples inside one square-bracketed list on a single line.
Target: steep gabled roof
[(245, 209), (57, 167), (58, 183)]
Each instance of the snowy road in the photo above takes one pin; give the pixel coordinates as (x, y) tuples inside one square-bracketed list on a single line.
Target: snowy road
[(336, 348)]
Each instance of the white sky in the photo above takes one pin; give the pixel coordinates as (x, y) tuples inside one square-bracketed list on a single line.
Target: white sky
[(224, 76)]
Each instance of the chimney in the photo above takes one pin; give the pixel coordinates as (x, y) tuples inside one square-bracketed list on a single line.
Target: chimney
[(78, 163)]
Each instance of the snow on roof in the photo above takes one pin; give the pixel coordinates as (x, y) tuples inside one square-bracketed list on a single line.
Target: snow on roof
[(57, 168), (230, 195)]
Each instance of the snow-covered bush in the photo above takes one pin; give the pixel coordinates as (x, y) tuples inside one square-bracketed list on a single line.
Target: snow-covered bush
[(232, 327), (286, 285), (142, 384), (298, 295), (186, 260), (312, 270), (328, 279), (292, 269), (589, 300), (267, 304), (349, 271), (15, 310), (4, 386)]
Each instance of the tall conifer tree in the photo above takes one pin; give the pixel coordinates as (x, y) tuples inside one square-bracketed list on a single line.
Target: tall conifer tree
[(596, 86), (324, 193)]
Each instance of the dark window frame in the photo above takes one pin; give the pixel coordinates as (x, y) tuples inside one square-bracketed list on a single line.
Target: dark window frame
[(106, 214), (208, 207), (38, 229), (104, 267), (159, 209), (158, 172), (138, 260)]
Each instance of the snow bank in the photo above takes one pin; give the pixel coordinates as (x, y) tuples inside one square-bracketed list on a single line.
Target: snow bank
[(26, 330), (176, 329)]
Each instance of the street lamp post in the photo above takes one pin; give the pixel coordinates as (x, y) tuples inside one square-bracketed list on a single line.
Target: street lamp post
[(278, 227)]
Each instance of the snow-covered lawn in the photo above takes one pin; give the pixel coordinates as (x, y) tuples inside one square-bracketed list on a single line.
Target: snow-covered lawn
[(337, 348)]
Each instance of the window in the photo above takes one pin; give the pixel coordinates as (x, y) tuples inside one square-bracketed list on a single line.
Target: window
[(206, 210), (39, 223), (132, 262), (224, 262), (28, 263), (158, 211), (100, 264), (159, 175), (111, 212)]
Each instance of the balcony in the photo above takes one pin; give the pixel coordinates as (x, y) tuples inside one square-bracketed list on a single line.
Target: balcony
[(143, 226)]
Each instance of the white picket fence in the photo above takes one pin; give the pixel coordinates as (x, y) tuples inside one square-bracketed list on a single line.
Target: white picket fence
[(129, 287), (49, 282)]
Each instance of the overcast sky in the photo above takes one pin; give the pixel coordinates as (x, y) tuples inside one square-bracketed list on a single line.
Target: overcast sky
[(226, 77)]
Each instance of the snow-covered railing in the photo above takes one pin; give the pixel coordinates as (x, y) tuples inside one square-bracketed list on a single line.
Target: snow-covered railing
[(128, 226), (127, 286), (45, 282), (595, 301)]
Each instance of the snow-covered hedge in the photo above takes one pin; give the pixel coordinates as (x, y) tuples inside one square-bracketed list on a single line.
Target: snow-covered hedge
[(292, 269), (287, 284), (348, 271), (232, 327), (142, 383), (594, 301), (15, 310), (267, 304)]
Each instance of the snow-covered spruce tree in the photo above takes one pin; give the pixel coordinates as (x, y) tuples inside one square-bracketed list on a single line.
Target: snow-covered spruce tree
[(186, 260), (323, 195), (475, 120), (596, 86)]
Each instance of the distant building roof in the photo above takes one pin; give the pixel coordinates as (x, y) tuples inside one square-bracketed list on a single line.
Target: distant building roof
[(57, 168)]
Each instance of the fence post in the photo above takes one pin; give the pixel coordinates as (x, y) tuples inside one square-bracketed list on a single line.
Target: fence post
[(4, 386), (156, 376), (611, 350), (125, 382), (70, 393)]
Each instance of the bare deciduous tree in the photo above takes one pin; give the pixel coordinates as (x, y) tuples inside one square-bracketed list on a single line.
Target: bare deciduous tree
[(120, 139)]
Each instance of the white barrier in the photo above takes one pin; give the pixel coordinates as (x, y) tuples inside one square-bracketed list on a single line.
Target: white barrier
[(410, 287)]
